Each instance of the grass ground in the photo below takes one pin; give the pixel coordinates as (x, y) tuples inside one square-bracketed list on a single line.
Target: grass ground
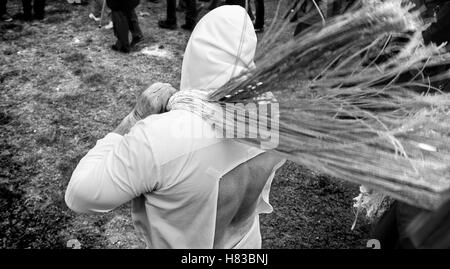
[(62, 88)]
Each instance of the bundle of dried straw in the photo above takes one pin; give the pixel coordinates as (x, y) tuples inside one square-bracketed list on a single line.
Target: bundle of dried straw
[(345, 107)]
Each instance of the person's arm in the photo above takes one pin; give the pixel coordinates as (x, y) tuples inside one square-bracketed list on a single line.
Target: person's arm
[(121, 166), (125, 125)]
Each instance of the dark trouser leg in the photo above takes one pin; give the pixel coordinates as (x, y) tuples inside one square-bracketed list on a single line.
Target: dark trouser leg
[(27, 9), (121, 28), (235, 2), (191, 12), (213, 4), (3, 7), (249, 10), (259, 6), (242, 4), (172, 11), (386, 230), (182, 4), (39, 9), (133, 23)]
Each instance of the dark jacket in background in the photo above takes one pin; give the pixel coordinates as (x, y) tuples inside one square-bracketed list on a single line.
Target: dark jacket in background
[(116, 5), (439, 31), (33, 9), (124, 20), (3, 6)]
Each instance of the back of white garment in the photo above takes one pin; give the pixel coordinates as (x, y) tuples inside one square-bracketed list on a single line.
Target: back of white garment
[(212, 190), (188, 188), (182, 210)]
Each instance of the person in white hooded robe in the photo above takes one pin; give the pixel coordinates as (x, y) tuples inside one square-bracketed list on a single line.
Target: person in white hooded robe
[(187, 191)]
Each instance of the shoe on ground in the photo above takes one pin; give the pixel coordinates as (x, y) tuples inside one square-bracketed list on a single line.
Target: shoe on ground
[(259, 29), (38, 17), (22, 17), (115, 48), (136, 41), (167, 25), (6, 18), (188, 26)]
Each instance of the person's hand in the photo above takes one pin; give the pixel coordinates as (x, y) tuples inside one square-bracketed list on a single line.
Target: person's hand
[(153, 100)]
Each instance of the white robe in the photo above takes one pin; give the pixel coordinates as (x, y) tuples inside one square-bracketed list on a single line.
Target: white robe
[(170, 164)]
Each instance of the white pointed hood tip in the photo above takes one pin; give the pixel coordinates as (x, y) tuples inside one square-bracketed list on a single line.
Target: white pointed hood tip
[(221, 47)]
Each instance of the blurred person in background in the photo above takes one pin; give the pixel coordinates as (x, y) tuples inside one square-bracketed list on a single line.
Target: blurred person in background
[(317, 11), (3, 13), (259, 15), (38, 7), (258, 18), (32, 10), (125, 20), (393, 230), (171, 15)]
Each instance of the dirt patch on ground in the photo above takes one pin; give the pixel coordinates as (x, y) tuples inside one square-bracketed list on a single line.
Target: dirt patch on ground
[(62, 88)]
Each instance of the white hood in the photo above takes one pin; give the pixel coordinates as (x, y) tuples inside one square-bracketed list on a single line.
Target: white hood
[(221, 46)]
